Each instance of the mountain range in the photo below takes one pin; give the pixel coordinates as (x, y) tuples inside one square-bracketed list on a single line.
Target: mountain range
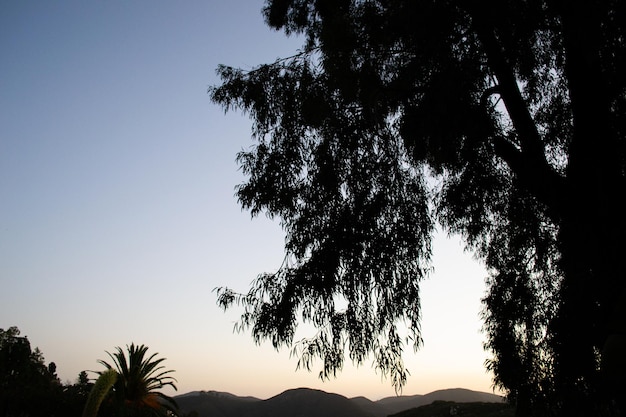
[(305, 402)]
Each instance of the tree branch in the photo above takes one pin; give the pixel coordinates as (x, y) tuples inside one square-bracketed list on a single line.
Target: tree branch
[(529, 163)]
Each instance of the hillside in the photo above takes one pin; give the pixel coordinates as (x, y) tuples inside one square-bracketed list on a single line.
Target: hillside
[(458, 395), (214, 404), (449, 408), (304, 402)]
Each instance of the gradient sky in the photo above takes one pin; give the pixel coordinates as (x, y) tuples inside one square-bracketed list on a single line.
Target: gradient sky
[(117, 208)]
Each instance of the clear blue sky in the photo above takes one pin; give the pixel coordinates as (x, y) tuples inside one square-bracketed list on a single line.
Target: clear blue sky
[(117, 208)]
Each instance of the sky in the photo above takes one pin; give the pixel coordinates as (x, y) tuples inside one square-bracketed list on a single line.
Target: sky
[(117, 210)]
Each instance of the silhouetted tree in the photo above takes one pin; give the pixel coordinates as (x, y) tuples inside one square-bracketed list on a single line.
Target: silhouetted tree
[(75, 395), (502, 120), (27, 386), (139, 376), (82, 382)]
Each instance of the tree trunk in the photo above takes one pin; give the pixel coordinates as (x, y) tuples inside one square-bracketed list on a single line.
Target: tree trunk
[(591, 234)]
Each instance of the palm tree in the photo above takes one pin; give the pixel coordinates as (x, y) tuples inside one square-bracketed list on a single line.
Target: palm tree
[(139, 377)]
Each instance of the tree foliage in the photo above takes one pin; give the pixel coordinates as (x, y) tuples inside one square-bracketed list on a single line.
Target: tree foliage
[(98, 392), (27, 386), (139, 377), (504, 121)]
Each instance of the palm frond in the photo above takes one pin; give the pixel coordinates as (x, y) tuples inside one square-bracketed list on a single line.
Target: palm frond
[(140, 376)]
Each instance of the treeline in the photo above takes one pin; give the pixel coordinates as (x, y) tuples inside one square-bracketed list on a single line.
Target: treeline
[(29, 387)]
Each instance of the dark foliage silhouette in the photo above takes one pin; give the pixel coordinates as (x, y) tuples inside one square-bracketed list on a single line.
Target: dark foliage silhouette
[(139, 377), (504, 121), (28, 387)]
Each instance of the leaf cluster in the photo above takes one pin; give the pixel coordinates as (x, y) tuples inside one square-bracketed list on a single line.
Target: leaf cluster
[(138, 378)]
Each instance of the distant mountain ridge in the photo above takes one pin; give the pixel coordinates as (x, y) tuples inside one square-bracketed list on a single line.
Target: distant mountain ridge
[(306, 402)]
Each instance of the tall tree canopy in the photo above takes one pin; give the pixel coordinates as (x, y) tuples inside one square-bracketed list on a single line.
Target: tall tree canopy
[(502, 120)]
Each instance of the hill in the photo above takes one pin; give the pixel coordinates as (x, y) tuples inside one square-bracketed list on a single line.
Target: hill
[(304, 402), (449, 408), (458, 395), (214, 404)]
